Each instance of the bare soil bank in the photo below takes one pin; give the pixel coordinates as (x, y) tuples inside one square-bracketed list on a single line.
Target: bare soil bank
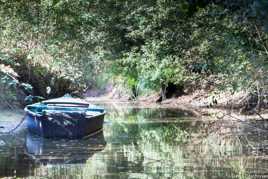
[(201, 104)]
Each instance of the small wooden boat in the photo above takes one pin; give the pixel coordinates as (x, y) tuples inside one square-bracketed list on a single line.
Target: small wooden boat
[(64, 117)]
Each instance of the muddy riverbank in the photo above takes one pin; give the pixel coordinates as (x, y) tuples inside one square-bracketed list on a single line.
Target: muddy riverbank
[(202, 104)]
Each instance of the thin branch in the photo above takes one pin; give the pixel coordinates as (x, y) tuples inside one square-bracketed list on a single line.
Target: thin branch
[(259, 35), (259, 115)]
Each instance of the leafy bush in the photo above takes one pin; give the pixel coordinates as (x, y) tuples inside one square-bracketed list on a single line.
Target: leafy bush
[(150, 44)]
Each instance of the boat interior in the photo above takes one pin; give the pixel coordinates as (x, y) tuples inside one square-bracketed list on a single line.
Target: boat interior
[(41, 108)]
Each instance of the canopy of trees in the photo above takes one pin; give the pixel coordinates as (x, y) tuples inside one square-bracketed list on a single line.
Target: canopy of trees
[(149, 44)]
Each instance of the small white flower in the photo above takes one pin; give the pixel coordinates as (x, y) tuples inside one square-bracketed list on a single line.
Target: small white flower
[(48, 90)]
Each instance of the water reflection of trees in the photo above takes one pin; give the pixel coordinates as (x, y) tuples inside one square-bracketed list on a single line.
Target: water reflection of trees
[(146, 144), (181, 149)]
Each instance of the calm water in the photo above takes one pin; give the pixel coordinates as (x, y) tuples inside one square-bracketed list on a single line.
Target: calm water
[(140, 143)]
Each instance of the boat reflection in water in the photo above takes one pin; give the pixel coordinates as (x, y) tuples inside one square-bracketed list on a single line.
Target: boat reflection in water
[(63, 151)]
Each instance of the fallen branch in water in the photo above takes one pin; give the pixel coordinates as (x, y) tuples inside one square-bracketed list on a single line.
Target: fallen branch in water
[(259, 115)]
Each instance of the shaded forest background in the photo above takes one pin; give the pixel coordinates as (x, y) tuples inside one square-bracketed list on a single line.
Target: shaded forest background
[(141, 46)]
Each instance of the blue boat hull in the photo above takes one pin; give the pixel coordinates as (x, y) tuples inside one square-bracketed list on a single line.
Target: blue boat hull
[(64, 125)]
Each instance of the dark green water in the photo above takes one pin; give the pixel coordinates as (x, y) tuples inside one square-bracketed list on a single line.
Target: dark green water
[(140, 143)]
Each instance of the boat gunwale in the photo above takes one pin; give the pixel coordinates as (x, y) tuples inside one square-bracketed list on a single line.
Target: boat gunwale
[(35, 114), (81, 105), (28, 111)]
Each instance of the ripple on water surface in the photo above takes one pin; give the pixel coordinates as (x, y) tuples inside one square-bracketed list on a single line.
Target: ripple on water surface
[(141, 143)]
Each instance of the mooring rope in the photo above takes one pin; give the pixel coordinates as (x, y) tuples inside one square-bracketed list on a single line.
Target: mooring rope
[(13, 129), (92, 134)]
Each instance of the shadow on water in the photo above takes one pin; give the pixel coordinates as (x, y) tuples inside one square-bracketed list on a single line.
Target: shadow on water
[(23, 154), (36, 153), (48, 151), (144, 143)]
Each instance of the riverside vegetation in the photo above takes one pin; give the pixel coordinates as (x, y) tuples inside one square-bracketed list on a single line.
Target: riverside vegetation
[(165, 46)]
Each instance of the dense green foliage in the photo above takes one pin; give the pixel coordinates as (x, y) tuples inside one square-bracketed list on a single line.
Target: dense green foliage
[(67, 44), (163, 42)]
